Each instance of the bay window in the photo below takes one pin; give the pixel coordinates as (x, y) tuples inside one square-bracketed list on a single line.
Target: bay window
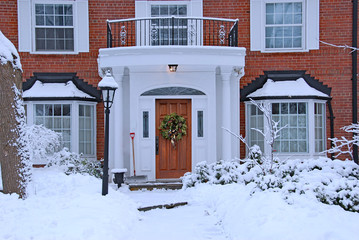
[(75, 120), (303, 122)]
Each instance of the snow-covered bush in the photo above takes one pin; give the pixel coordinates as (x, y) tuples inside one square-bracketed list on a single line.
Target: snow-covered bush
[(43, 143), (72, 163), (45, 147), (331, 182), (255, 154)]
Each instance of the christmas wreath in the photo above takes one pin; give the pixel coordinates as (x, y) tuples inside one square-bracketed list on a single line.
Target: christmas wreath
[(173, 127)]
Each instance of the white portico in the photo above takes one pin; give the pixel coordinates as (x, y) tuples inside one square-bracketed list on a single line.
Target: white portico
[(203, 91), (206, 76)]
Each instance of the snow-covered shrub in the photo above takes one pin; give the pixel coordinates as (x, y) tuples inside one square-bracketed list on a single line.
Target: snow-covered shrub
[(72, 163), (255, 154), (221, 172), (45, 147), (43, 143), (331, 182)]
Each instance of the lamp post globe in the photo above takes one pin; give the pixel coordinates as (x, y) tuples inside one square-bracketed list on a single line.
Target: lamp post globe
[(108, 87)]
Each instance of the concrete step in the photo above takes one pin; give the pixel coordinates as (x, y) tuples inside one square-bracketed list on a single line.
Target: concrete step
[(155, 185)]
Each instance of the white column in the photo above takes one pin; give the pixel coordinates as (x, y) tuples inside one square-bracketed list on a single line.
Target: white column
[(226, 117), (117, 126)]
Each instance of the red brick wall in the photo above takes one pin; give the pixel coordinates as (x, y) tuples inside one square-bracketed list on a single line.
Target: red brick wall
[(330, 65), (85, 64)]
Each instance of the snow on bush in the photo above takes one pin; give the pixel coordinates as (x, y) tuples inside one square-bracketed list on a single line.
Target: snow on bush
[(43, 143), (45, 147), (72, 163), (331, 182)]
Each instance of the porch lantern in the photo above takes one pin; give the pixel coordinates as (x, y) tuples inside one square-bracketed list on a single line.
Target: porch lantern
[(108, 87), (172, 67)]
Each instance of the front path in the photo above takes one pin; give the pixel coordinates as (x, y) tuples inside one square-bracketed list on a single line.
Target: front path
[(186, 222)]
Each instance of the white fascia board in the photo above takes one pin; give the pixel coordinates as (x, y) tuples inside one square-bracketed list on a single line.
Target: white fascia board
[(181, 55)]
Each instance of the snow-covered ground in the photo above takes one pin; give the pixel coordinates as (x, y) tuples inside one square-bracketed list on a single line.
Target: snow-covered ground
[(66, 207), (72, 207)]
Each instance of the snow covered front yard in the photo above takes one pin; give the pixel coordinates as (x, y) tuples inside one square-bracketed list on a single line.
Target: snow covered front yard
[(63, 206)]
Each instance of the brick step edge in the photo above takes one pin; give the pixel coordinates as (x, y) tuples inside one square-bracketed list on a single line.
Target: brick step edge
[(167, 206)]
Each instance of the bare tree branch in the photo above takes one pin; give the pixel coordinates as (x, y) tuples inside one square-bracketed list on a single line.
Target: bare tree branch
[(340, 46)]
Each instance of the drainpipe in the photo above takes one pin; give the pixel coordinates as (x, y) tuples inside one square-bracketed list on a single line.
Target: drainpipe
[(354, 72), (331, 118)]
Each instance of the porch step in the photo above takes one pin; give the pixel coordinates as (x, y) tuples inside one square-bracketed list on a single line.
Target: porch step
[(167, 206), (155, 185)]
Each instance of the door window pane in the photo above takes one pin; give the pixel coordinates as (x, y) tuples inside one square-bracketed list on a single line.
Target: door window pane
[(145, 119), (199, 123)]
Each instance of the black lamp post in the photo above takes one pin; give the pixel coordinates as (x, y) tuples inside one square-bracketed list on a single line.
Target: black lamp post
[(108, 87)]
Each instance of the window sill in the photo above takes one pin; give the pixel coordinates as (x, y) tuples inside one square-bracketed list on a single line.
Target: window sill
[(54, 53), (284, 50)]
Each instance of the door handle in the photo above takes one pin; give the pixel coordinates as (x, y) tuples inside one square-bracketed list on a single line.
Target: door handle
[(157, 144)]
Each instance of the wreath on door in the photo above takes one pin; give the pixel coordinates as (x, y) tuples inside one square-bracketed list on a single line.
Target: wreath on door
[(173, 127)]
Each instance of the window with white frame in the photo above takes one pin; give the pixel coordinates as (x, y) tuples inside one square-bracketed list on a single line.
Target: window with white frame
[(255, 121), (319, 121), (56, 117), (86, 130), (284, 25), (74, 120), (295, 118), (54, 27), (168, 31)]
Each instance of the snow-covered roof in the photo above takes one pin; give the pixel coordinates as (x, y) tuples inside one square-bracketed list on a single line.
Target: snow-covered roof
[(8, 52), (298, 87), (292, 84), (58, 90), (59, 86)]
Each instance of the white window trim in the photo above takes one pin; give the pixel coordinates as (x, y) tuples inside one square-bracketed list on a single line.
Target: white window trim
[(304, 28), (33, 27), (311, 16), (75, 135), (194, 7), (311, 128), (26, 25)]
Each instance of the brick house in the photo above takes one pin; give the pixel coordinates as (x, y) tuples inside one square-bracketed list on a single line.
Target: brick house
[(225, 52)]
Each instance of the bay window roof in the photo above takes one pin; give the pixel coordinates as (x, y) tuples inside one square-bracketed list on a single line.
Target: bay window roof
[(285, 85), (59, 86)]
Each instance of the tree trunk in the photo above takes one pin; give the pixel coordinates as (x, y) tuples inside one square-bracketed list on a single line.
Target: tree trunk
[(11, 157)]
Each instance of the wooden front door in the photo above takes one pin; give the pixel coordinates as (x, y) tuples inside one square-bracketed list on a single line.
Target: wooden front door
[(173, 162)]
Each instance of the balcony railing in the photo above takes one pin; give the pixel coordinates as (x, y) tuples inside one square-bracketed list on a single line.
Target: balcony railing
[(166, 31)]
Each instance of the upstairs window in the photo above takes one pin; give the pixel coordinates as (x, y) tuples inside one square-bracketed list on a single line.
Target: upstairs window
[(169, 31), (54, 27), (284, 25)]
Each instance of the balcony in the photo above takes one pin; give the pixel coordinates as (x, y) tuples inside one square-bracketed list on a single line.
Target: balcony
[(172, 31)]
